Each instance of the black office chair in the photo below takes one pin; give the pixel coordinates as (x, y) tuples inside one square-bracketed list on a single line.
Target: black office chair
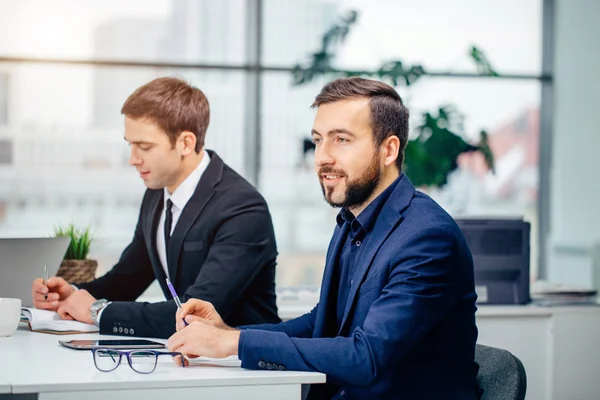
[(501, 375)]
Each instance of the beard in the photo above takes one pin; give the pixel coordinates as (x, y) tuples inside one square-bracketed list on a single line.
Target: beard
[(358, 190)]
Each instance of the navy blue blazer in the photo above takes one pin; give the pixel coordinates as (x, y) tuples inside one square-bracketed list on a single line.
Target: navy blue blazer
[(408, 330)]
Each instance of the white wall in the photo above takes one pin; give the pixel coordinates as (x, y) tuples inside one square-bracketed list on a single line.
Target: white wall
[(575, 178)]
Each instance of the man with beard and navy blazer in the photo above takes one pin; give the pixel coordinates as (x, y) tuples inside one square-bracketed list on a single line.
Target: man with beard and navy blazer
[(396, 314)]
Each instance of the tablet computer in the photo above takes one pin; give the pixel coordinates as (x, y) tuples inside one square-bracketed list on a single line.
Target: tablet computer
[(112, 344)]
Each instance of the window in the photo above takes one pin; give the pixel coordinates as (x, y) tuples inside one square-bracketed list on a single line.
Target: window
[(434, 33), (66, 128), (508, 110), (69, 153), (136, 30), (437, 35), (304, 222), (73, 153)]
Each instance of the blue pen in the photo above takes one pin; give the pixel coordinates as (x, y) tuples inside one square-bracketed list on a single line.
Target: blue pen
[(175, 297)]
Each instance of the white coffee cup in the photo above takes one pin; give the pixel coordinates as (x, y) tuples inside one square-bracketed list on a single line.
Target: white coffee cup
[(10, 314)]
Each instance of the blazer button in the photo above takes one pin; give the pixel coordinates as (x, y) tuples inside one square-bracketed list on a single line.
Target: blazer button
[(261, 364), (115, 329), (120, 329), (281, 367), (131, 331), (270, 366)]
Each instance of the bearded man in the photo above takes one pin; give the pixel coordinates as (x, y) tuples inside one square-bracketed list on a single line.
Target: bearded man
[(396, 314)]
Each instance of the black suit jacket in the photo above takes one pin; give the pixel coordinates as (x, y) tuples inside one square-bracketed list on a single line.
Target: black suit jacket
[(222, 250)]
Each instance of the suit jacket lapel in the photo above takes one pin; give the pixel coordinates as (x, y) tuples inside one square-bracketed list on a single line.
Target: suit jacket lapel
[(203, 193), (150, 235), (388, 218), (327, 291)]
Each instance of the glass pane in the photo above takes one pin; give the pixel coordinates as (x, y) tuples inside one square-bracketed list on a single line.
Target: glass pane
[(69, 162), (293, 29), (303, 221), (434, 33), (507, 109), (158, 30)]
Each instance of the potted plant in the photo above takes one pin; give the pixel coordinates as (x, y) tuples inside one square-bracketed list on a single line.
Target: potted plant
[(76, 268)]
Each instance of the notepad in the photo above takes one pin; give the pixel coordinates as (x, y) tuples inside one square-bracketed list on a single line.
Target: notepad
[(50, 322)]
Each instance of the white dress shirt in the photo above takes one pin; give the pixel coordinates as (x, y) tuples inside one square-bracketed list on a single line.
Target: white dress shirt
[(179, 197)]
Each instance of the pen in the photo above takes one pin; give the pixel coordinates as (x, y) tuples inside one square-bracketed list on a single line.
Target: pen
[(175, 297), (45, 280)]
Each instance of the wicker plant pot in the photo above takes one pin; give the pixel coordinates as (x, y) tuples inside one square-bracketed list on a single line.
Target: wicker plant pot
[(77, 271)]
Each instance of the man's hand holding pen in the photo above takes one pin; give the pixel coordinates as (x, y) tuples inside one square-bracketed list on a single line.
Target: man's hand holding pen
[(207, 335), (47, 294), (199, 310)]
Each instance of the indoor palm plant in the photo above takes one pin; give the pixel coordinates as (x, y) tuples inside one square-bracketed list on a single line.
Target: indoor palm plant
[(76, 267)]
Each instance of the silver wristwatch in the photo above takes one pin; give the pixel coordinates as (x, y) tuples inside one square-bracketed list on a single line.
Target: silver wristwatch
[(95, 309)]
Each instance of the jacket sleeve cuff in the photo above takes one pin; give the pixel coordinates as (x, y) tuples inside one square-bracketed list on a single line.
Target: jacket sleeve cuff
[(249, 349), (100, 314), (258, 349)]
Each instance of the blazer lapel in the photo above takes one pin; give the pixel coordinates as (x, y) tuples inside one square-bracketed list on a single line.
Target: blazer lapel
[(388, 218), (150, 235), (190, 213), (326, 290)]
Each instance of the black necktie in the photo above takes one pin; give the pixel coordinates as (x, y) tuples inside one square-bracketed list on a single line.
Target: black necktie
[(168, 222)]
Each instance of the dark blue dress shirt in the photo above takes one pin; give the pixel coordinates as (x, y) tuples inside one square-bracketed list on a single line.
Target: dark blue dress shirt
[(358, 234)]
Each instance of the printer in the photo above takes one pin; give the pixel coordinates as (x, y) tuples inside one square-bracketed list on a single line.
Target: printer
[(500, 249)]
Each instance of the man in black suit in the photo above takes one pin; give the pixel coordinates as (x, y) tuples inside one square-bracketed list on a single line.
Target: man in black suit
[(201, 225)]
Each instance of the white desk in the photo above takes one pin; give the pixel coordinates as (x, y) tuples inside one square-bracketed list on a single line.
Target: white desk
[(557, 345), (35, 363)]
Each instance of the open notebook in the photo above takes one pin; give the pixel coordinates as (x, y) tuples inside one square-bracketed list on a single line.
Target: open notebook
[(49, 322)]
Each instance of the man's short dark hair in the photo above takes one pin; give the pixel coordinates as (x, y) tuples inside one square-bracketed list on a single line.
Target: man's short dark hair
[(389, 116)]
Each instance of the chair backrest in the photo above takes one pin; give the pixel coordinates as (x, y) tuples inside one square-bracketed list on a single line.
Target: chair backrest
[(501, 375)]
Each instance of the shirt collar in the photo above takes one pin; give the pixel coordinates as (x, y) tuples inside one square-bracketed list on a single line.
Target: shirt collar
[(344, 216), (366, 219), (186, 189)]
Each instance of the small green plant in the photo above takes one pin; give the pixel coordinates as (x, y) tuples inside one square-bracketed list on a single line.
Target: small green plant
[(81, 239)]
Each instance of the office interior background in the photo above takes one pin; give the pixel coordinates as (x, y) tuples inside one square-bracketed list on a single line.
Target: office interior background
[(66, 67)]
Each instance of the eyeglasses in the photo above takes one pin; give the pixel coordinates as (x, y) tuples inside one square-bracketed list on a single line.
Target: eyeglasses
[(141, 361)]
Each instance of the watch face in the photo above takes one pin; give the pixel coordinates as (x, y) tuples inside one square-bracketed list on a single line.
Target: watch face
[(98, 304)]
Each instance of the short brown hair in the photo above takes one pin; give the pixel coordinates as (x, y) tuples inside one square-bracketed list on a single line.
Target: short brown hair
[(172, 104), (389, 116)]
